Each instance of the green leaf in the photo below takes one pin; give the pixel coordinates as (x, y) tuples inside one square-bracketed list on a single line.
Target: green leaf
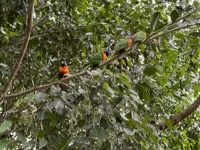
[(94, 72), (155, 20), (63, 144), (52, 116), (117, 100), (123, 116), (180, 35), (108, 88), (106, 145), (150, 70), (40, 134), (13, 33), (99, 133), (128, 131), (174, 15), (42, 143), (124, 79), (40, 96), (4, 142), (195, 34), (80, 139), (5, 125), (143, 93), (35, 2), (168, 122), (41, 114), (20, 137)]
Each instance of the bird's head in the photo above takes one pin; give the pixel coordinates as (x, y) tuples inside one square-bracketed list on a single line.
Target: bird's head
[(63, 63), (108, 51), (130, 36)]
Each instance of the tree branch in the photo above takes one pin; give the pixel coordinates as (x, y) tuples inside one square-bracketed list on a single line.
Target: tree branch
[(16, 42), (40, 21), (33, 26), (177, 20), (44, 86), (62, 80), (180, 116), (22, 52), (172, 30), (101, 65)]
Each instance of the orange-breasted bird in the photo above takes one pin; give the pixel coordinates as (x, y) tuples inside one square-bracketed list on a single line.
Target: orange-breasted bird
[(124, 44), (63, 70), (95, 60)]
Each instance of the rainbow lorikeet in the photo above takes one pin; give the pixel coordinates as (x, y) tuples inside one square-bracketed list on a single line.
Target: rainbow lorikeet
[(138, 37), (95, 60), (63, 70), (123, 45)]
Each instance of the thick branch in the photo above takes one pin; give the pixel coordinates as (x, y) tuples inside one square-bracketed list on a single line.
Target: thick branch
[(180, 116), (22, 52)]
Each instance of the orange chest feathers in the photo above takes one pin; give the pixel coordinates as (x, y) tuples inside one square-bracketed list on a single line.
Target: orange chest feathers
[(130, 42), (63, 70), (104, 57)]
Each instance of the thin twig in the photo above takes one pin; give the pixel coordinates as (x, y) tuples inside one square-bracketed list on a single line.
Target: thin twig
[(34, 25), (177, 20), (187, 15), (23, 34), (175, 29), (22, 52), (40, 21)]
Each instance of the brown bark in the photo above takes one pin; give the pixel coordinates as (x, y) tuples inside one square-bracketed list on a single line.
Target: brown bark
[(22, 50), (180, 116)]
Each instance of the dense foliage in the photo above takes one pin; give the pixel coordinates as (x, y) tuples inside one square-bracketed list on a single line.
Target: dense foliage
[(109, 107)]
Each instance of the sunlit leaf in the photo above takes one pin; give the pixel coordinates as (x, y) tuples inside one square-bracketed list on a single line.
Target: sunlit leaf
[(128, 131), (5, 125), (99, 133), (42, 143), (155, 20)]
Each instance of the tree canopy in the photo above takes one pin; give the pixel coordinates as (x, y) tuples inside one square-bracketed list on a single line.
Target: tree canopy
[(146, 99)]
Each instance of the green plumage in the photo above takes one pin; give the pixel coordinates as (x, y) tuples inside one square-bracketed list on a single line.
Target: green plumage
[(139, 36), (121, 45), (95, 60)]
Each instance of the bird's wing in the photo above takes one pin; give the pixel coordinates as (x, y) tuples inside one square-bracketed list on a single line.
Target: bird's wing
[(121, 45)]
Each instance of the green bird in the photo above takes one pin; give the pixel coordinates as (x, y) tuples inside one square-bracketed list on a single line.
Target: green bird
[(123, 45), (95, 60), (138, 37)]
